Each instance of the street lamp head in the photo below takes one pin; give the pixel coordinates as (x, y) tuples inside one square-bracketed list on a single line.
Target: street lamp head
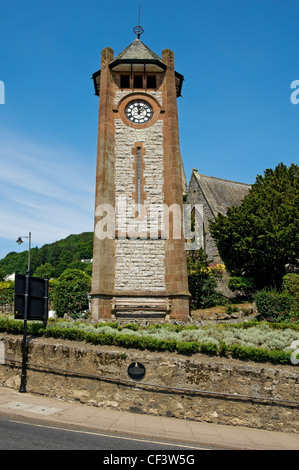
[(19, 241)]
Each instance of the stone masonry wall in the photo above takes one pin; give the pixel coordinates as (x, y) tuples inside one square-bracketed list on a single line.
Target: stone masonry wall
[(199, 387), (139, 264), (195, 196)]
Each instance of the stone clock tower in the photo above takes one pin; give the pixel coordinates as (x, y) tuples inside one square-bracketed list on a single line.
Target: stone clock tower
[(139, 260)]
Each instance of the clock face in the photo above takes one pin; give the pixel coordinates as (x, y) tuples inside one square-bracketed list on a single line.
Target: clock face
[(139, 111)]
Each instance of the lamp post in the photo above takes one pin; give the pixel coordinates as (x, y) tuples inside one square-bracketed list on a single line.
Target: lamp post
[(20, 241), (23, 376)]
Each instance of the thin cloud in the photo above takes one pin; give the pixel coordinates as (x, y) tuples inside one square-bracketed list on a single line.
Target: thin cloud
[(46, 190)]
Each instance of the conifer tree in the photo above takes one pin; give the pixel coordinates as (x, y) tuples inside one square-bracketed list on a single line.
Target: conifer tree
[(261, 236)]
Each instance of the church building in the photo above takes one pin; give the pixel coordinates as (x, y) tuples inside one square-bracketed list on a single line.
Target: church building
[(215, 195)]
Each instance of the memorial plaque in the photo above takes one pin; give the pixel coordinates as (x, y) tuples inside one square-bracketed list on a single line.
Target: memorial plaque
[(136, 371)]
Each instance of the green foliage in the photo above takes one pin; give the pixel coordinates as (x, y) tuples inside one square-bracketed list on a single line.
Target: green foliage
[(290, 284), (259, 354), (53, 258), (202, 282), (273, 305), (187, 347), (16, 327), (7, 290), (261, 236), (229, 340), (44, 270), (70, 295), (243, 285)]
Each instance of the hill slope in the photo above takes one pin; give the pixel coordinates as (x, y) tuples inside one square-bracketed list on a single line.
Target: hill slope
[(53, 258)]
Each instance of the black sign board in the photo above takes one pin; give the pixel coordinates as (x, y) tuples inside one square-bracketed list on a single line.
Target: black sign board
[(136, 371), (37, 307)]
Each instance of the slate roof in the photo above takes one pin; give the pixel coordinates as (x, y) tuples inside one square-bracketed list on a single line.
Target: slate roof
[(137, 50), (221, 194)]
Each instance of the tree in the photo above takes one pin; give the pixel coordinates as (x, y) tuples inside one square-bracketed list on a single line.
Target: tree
[(71, 293), (258, 238), (43, 270), (61, 255)]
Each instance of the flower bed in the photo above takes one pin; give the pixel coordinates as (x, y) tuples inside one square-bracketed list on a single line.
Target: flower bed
[(257, 341)]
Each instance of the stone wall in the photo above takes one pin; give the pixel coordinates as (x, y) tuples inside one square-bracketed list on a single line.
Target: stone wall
[(198, 387), (196, 196), (139, 264)]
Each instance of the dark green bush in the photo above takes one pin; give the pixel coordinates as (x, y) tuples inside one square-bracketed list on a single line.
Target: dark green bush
[(71, 293), (131, 326), (273, 305), (128, 341), (209, 348), (187, 347), (202, 282), (259, 354), (243, 285)]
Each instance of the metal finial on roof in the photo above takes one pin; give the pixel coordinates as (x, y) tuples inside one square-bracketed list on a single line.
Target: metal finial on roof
[(138, 30)]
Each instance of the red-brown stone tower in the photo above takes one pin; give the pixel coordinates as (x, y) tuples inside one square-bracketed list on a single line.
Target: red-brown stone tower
[(139, 260)]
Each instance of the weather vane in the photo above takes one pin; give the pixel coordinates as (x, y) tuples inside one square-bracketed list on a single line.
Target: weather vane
[(138, 30)]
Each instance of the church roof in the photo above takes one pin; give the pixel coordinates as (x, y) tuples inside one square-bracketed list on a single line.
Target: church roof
[(221, 194)]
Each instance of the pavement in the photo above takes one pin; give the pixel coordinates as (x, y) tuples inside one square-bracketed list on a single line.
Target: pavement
[(55, 412)]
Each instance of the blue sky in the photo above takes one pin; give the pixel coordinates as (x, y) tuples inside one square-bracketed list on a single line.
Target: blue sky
[(238, 57)]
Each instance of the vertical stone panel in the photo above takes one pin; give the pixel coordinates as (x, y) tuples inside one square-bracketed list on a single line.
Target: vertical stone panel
[(103, 255), (176, 276)]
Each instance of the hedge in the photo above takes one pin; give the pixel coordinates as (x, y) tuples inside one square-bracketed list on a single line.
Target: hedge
[(146, 342)]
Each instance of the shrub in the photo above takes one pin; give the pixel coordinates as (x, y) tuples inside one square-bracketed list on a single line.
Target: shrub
[(128, 341), (290, 284), (202, 280), (187, 347), (273, 305), (259, 354), (7, 292), (209, 348), (71, 293), (255, 341), (242, 284)]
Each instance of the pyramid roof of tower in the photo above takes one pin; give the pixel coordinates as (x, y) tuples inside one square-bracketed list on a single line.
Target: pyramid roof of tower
[(137, 50)]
